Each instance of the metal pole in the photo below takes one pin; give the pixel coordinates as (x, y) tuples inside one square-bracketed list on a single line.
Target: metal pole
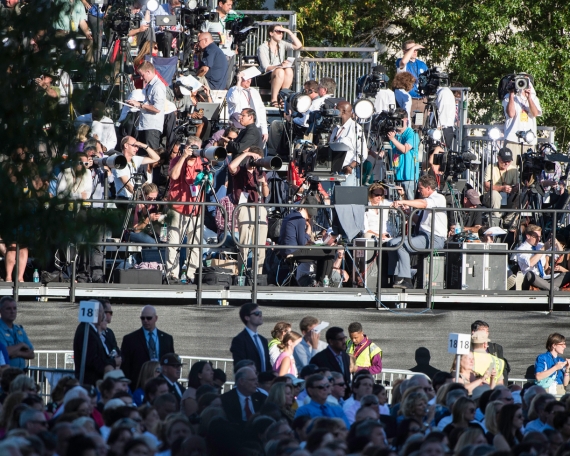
[(16, 274), (457, 367), (430, 273), (84, 353), (379, 260), (72, 284), (552, 263), (200, 260), (255, 252)]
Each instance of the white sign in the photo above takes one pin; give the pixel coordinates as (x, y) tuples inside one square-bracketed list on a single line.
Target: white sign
[(459, 344), (89, 312)]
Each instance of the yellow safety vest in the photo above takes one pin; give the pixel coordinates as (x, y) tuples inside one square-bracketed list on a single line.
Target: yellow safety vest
[(484, 361), (365, 357)]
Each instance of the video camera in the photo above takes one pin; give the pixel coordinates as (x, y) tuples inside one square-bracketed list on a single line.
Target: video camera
[(369, 85), (453, 164), (269, 163), (325, 119), (431, 80), (386, 122), (120, 18), (512, 83), (198, 16), (237, 23), (534, 162)]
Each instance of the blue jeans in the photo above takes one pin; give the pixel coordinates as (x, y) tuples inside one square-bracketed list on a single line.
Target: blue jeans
[(409, 189), (141, 237), (399, 260)]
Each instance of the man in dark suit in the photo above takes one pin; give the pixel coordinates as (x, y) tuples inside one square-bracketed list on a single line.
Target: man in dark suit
[(97, 360), (334, 356), (249, 136), (108, 335), (171, 366), (145, 344), (244, 400), (248, 344)]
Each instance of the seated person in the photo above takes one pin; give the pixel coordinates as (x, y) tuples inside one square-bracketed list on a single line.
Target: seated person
[(376, 194), (272, 57), (296, 230), (536, 267), (186, 101), (505, 182), (146, 218), (472, 220)]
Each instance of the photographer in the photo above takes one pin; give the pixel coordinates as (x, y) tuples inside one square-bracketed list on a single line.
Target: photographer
[(226, 40), (123, 177), (405, 163), (184, 219), (242, 96), (350, 134), (250, 136), (247, 180), (521, 108), (146, 218), (310, 88), (505, 185)]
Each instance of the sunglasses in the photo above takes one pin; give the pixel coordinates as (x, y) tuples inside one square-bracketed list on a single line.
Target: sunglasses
[(146, 318), (278, 31), (339, 384), (83, 163), (257, 313), (322, 387), (378, 194)]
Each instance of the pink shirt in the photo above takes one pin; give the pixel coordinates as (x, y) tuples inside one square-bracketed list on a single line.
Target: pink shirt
[(292, 367)]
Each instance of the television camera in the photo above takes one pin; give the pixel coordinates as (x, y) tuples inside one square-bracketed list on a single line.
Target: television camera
[(368, 85), (240, 27), (193, 17), (453, 163), (121, 19), (430, 81)]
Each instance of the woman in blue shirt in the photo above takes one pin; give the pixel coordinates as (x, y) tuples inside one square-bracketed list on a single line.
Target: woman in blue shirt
[(553, 371)]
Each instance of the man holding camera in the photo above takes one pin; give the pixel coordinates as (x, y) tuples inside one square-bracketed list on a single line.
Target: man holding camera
[(504, 180), (123, 177), (405, 163), (350, 134), (242, 96), (249, 185), (184, 219), (248, 137), (521, 108)]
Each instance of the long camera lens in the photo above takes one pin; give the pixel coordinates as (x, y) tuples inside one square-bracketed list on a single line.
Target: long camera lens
[(113, 162), (212, 153), (270, 163)]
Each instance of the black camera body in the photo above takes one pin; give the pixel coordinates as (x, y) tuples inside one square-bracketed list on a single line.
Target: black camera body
[(431, 80), (195, 18), (236, 23), (325, 119), (453, 164), (121, 20), (533, 163), (518, 83), (386, 122), (369, 85)]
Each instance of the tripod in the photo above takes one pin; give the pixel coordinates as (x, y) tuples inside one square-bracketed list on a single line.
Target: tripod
[(138, 194), (125, 83)]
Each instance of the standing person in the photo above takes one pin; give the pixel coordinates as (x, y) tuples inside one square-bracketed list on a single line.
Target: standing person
[(151, 120), (285, 362), (107, 335), (248, 344), (281, 328), (213, 64), (399, 260), (367, 355), (145, 344), (486, 365), (242, 96), (402, 84), (334, 357), (552, 371), (249, 185), (171, 366), (492, 347), (445, 105), (13, 336), (272, 57), (223, 9), (311, 343), (350, 134), (405, 162), (521, 108), (410, 63), (509, 423), (184, 219)]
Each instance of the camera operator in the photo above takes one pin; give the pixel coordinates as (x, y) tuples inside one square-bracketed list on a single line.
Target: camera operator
[(213, 64), (226, 40), (384, 96), (350, 134), (129, 147), (247, 180), (242, 96), (410, 63), (165, 35), (146, 217), (405, 163), (151, 122), (248, 137), (505, 182), (183, 172), (473, 220), (445, 104), (399, 260), (521, 110)]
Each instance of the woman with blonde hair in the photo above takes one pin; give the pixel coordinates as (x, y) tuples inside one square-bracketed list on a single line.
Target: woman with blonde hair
[(415, 405), (467, 377), (281, 328), (285, 363), (491, 419), (282, 395), (470, 436), (81, 136), (149, 369), (140, 59)]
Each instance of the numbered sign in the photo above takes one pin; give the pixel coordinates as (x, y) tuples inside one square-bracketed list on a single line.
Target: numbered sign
[(459, 344), (89, 311)]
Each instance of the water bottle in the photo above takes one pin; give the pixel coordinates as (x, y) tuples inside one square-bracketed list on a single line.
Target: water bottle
[(36, 276), (184, 277), (164, 233), (457, 228), (326, 281)]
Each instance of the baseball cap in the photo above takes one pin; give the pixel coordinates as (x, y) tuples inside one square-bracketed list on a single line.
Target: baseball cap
[(309, 369), (479, 337), (294, 379), (505, 154), (171, 359), (478, 392), (118, 375), (312, 211), (234, 121), (473, 196)]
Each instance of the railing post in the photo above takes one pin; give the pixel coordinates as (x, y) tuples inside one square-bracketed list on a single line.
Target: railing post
[(430, 272), (16, 274), (255, 252), (200, 260), (72, 282), (379, 260), (552, 263)]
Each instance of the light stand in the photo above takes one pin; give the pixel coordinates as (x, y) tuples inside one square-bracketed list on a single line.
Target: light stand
[(364, 110), (152, 6), (494, 134)]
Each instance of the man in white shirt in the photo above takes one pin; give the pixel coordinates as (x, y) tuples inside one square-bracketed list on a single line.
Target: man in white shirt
[(123, 181), (399, 260), (151, 120), (311, 343), (310, 88), (220, 28), (242, 96), (350, 134), (445, 103)]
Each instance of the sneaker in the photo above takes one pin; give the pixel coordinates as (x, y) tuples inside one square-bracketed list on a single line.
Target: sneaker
[(173, 280), (511, 281), (403, 283)]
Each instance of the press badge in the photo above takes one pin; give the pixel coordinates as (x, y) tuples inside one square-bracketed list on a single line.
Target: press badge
[(194, 191), (524, 116)]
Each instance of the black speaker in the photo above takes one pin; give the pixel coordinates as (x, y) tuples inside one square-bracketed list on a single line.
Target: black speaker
[(351, 195)]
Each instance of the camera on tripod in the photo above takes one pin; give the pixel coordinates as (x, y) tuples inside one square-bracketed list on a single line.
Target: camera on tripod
[(453, 164), (194, 18), (369, 85), (240, 27), (431, 80), (138, 179), (534, 162), (386, 122), (120, 19), (326, 119)]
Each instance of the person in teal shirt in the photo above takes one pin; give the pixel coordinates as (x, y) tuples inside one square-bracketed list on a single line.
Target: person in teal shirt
[(405, 161), (13, 336)]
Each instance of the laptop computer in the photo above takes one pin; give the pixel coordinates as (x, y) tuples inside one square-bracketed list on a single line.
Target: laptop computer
[(211, 110), (166, 21)]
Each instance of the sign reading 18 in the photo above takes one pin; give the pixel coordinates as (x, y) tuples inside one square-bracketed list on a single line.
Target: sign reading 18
[(463, 344), (87, 312)]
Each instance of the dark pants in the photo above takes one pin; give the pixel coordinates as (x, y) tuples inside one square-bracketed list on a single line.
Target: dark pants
[(323, 258), (448, 137), (96, 26), (150, 137)]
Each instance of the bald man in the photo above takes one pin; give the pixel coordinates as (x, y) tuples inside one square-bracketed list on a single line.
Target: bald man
[(213, 64), (350, 134), (145, 344)]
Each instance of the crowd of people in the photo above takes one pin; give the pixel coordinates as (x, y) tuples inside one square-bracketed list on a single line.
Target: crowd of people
[(293, 394)]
